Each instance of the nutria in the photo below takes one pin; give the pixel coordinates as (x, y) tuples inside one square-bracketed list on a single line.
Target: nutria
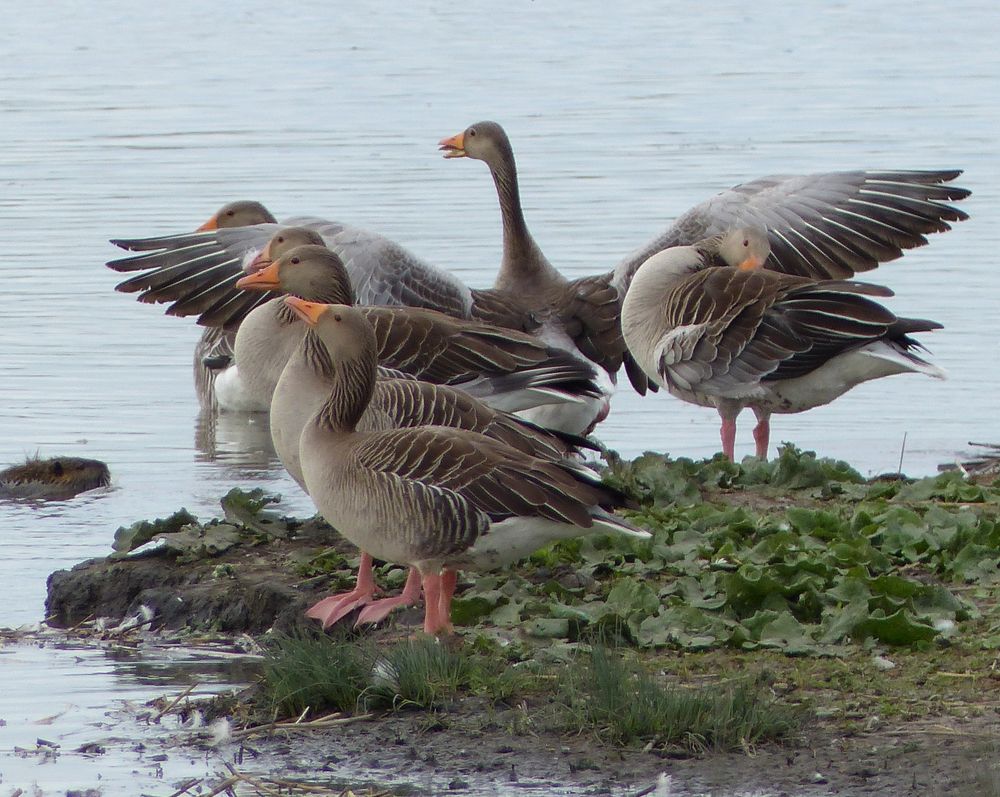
[(55, 478)]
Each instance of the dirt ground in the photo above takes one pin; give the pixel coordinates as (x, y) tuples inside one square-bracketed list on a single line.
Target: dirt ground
[(929, 727), (466, 750)]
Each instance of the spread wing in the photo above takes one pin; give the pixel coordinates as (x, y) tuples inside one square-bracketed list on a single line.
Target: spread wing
[(197, 272), (824, 226)]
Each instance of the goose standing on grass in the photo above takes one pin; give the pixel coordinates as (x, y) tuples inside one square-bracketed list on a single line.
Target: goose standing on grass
[(306, 381), (434, 498), (715, 328)]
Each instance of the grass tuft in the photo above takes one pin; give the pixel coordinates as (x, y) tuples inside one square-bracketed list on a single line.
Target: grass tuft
[(418, 673), (626, 704), (315, 673)]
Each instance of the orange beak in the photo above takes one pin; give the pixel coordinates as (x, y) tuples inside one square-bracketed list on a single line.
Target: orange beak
[(211, 224), (307, 311), (264, 280), (453, 147), (751, 264)]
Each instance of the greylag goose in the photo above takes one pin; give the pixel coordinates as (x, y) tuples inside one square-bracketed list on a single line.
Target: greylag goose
[(715, 328), (508, 369), (241, 213), (824, 226), (580, 315), (215, 347), (434, 498), (307, 379)]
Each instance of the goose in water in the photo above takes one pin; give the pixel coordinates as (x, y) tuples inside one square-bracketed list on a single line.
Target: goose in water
[(580, 315), (434, 498), (215, 347), (715, 328), (508, 369), (306, 381)]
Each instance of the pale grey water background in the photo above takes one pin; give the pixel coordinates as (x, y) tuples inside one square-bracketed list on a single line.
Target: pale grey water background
[(123, 119)]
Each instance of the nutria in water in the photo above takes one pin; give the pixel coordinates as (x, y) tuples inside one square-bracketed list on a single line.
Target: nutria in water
[(55, 478)]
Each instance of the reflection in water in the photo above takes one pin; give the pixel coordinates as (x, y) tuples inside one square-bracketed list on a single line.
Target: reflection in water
[(235, 438)]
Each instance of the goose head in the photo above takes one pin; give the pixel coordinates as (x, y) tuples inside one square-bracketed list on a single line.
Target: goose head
[(243, 213), (284, 240), (350, 343), (311, 272), (485, 141), (745, 248)]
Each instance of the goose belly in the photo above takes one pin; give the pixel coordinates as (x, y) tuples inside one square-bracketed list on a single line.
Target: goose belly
[(839, 375), (575, 417), (232, 394), (511, 540)]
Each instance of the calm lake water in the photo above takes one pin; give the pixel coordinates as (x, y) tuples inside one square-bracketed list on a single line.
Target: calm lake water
[(123, 119)]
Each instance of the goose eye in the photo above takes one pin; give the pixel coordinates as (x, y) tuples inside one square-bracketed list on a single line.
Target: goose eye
[(336, 317), (230, 212), (281, 239), (746, 242), (295, 260), (472, 131)]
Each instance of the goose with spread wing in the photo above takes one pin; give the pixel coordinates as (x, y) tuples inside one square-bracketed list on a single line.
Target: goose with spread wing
[(509, 370), (824, 225)]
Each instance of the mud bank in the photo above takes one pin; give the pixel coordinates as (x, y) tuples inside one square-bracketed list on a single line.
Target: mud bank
[(870, 605)]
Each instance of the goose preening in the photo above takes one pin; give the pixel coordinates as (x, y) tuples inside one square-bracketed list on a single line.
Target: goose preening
[(434, 498), (825, 226), (715, 328)]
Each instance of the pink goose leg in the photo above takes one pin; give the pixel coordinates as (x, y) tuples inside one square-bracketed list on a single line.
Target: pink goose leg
[(432, 603), (729, 411), (376, 611), (762, 433), (331, 609), (448, 580)]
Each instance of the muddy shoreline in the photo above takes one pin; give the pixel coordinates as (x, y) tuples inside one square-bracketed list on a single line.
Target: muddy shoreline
[(920, 718)]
